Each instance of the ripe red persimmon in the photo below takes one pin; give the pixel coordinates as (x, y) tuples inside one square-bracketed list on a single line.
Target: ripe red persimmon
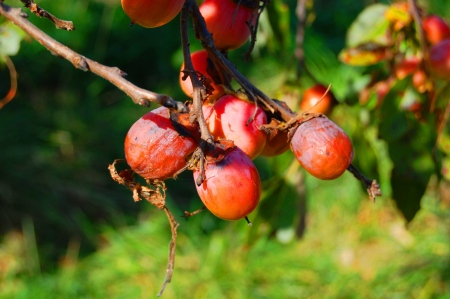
[(322, 148), (435, 28), (313, 102), (227, 22), (439, 59), (406, 67), (154, 149), (200, 64), (152, 13), (229, 119), (232, 186)]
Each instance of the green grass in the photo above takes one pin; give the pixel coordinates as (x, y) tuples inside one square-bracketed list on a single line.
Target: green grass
[(352, 248)]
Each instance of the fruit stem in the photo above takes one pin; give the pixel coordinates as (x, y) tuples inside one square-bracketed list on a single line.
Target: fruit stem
[(248, 221), (372, 187)]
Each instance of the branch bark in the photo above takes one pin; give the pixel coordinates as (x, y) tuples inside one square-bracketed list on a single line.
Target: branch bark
[(42, 13), (114, 75)]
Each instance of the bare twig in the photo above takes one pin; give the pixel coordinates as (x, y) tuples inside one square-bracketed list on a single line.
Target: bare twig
[(254, 30), (112, 74), (188, 214), (60, 24), (172, 250), (13, 78)]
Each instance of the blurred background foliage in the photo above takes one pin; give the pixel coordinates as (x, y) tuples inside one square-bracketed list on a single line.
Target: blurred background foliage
[(69, 231)]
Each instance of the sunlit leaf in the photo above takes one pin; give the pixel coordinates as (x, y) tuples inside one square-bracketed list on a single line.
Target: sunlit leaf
[(369, 27), (363, 56)]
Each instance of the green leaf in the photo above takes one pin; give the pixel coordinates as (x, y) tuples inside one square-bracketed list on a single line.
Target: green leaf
[(414, 164), (10, 38), (369, 27)]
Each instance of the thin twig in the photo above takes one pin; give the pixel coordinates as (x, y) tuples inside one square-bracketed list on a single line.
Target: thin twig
[(13, 78), (254, 30), (172, 250), (60, 24), (112, 74)]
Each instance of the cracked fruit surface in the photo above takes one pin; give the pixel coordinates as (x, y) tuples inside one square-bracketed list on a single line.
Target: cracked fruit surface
[(154, 149), (152, 13), (232, 187), (322, 148)]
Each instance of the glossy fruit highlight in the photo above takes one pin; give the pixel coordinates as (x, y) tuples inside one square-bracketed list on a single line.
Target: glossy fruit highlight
[(229, 119), (232, 187), (313, 102), (152, 13), (322, 148), (227, 22), (154, 149)]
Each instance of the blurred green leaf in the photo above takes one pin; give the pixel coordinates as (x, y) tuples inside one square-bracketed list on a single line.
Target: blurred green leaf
[(10, 38), (369, 27)]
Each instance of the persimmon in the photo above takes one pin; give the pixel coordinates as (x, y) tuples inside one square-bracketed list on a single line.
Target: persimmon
[(232, 187), (406, 67), (154, 149), (322, 148), (276, 145), (240, 121), (435, 28), (316, 101), (202, 65), (439, 59), (152, 13), (228, 22)]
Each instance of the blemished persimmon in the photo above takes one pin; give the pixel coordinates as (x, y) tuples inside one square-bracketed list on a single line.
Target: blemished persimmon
[(154, 149), (232, 187), (228, 22), (240, 121), (152, 13), (322, 148)]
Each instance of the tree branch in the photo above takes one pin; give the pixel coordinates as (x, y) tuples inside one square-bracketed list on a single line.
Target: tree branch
[(221, 61), (60, 24), (112, 74)]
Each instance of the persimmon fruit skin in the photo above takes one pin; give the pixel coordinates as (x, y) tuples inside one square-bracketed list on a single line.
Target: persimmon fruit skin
[(227, 22), (151, 13), (312, 103), (322, 148), (154, 149), (228, 119), (200, 63), (435, 28), (439, 59), (232, 187), (277, 145)]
